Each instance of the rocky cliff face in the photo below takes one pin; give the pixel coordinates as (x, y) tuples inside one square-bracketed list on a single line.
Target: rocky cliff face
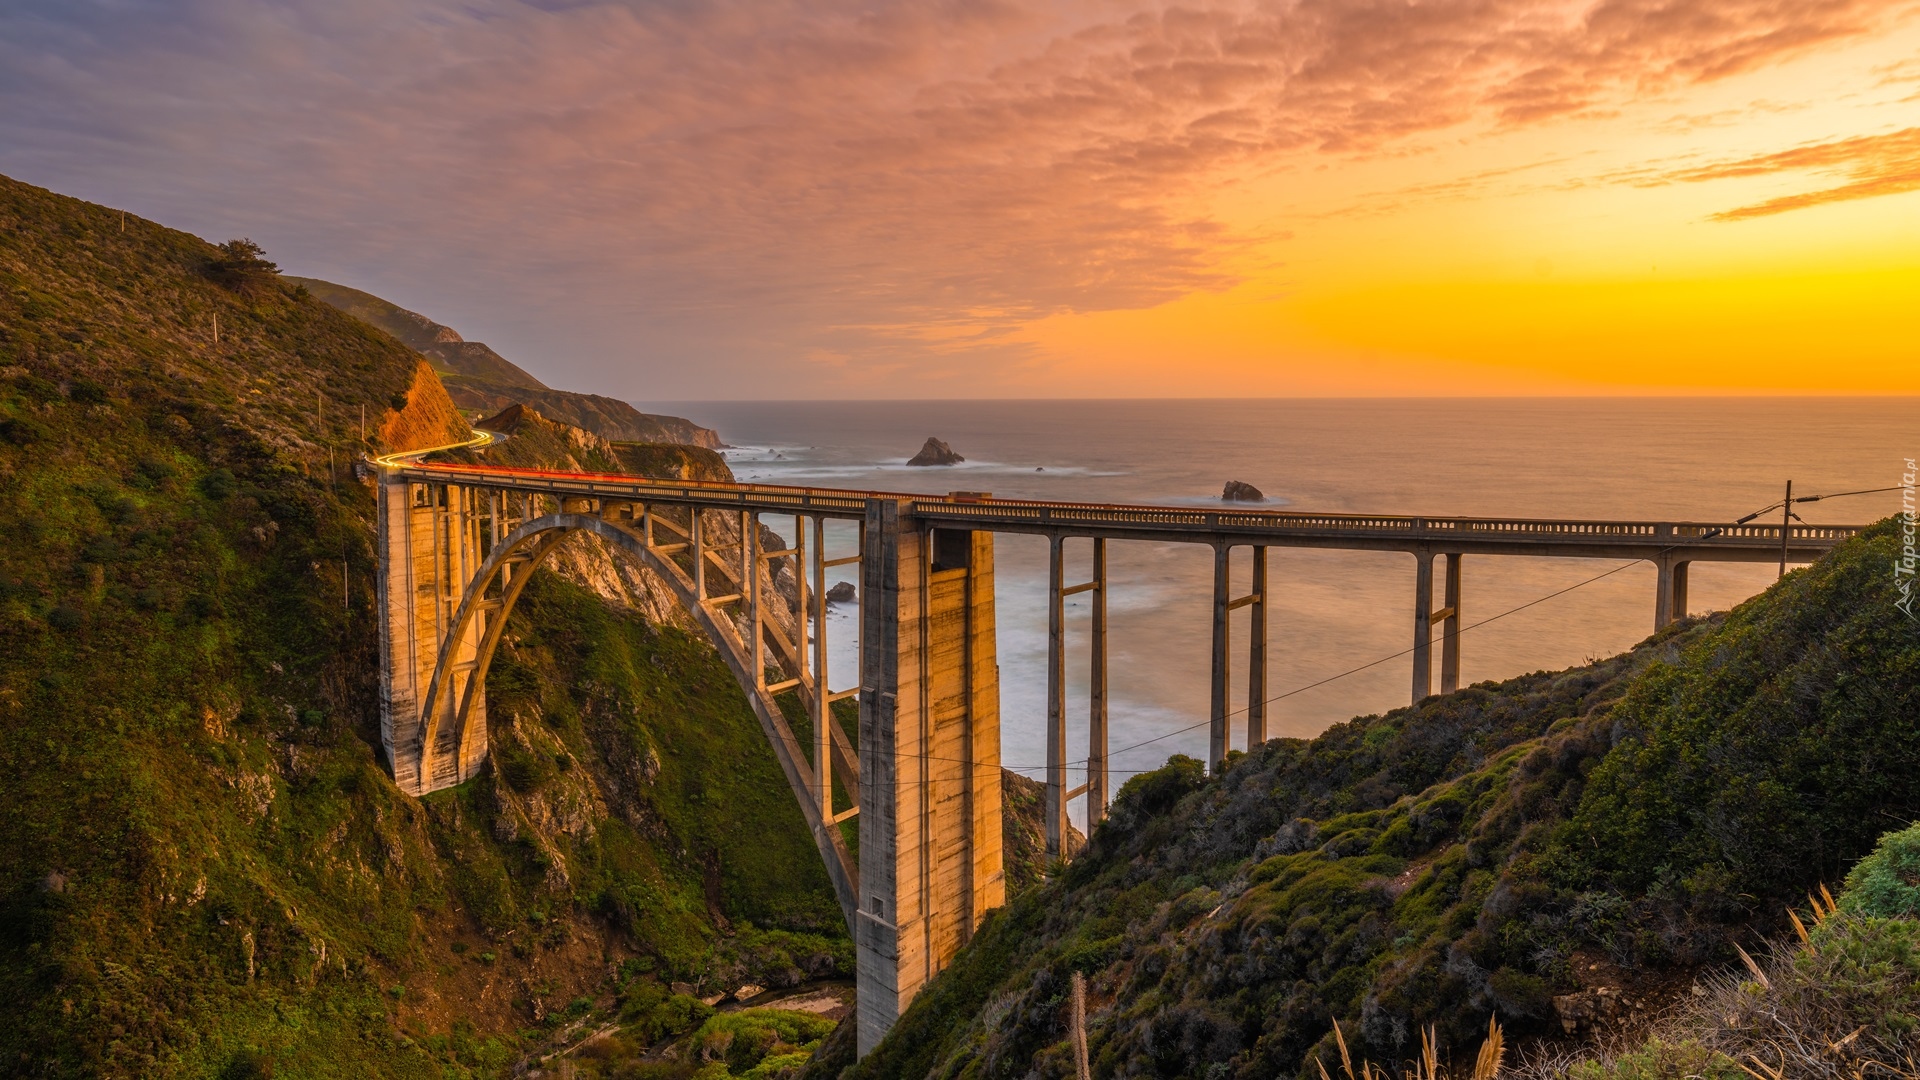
[(425, 416), (606, 417)]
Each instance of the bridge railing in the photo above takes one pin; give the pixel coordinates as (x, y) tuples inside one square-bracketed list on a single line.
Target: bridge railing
[(981, 510)]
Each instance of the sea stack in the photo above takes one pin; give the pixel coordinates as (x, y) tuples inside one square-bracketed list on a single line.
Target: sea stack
[(843, 592), (1241, 491), (936, 453)]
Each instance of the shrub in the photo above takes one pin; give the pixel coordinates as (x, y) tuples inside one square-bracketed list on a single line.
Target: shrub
[(1887, 882), (242, 265), (1659, 1060), (22, 430), (218, 484)]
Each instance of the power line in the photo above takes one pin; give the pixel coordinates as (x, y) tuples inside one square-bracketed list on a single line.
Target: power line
[(1492, 618)]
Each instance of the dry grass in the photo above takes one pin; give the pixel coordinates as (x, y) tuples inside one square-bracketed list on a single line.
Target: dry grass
[(1486, 1065), (1841, 1001)]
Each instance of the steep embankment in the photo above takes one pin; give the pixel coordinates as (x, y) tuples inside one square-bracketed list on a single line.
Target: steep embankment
[(204, 869), (481, 380), (1560, 850)]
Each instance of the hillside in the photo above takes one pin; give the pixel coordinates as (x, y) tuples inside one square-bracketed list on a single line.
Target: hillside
[(1563, 851), (481, 380), (205, 869)]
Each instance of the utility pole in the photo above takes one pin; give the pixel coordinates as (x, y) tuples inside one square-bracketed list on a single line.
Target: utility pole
[(1079, 1023), (1786, 526)]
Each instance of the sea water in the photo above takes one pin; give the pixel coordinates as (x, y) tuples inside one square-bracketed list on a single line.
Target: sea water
[(1336, 619)]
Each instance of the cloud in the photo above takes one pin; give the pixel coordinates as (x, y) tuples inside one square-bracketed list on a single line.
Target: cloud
[(727, 184), (1876, 165)]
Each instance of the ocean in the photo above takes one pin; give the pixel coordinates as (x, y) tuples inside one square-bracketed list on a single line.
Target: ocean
[(1330, 612)]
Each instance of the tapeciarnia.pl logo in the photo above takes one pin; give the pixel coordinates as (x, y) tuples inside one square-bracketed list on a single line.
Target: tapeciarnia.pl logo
[(1903, 567)]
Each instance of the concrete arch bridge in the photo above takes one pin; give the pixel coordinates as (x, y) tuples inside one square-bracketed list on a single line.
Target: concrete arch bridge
[(458, 542)]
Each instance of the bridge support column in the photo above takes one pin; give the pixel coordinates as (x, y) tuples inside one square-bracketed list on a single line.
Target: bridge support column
[(1662, 592), (429, 546), (1056, 793), (1422, 625), (1257, 652), (1680, 590), (1449, 617), (1218, 736), (1097, 744), (930, 842)]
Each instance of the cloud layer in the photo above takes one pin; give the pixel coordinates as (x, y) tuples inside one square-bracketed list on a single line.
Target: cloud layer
[(882, 190)]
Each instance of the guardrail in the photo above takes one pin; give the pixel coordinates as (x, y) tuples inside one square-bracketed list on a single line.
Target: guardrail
[(983, 511)]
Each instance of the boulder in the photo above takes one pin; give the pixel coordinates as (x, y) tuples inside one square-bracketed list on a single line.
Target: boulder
[(842, 592), (936, 453), (1241, 491)]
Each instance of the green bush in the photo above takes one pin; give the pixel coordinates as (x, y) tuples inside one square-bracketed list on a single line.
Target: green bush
[(1887, 882), (1659, 1060)]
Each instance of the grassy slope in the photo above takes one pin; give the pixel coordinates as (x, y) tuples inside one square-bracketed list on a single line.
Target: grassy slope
[(416, 331), (1449, 860), (203, 867)]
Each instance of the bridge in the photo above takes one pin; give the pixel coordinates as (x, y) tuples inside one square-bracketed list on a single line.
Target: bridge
[(458, 542)]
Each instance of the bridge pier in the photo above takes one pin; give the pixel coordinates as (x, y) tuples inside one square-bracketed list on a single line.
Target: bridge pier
[(1097, 744), (1422, 624), (1257, 652), (1220, 733), (1449, 616), (930, 841), (429, 546), (1096, 789), (1219, 738), (1424, 620), (1669, 590), (1680, 589)]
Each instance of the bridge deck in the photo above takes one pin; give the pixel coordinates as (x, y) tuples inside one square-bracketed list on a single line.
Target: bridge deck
[(1580, 538)]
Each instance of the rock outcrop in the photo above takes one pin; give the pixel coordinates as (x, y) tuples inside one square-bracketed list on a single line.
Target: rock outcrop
[(935, 452), (609, 418), (423, 417), (843, 592), (1241, 491)]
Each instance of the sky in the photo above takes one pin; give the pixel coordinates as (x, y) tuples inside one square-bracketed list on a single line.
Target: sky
[(703, 199)]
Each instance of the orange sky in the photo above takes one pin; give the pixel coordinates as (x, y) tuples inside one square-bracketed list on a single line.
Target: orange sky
[(1082, 198)]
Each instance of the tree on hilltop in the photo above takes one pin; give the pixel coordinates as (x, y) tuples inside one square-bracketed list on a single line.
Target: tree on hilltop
[(242, 265)]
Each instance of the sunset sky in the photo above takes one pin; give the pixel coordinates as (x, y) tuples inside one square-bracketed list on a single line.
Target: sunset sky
[(683, 200)]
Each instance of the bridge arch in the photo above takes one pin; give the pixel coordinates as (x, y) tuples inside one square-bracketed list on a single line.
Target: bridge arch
[(446, 732), (457, 544)]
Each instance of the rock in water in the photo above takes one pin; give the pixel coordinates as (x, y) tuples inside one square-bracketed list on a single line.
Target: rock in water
[(842, 593), (1240, 491), (936, 453)]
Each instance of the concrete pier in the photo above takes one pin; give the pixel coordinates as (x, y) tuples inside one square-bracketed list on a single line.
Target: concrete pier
[(930, 833)]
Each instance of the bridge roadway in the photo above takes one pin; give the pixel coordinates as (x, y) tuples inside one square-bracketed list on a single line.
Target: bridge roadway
[(459, 541)]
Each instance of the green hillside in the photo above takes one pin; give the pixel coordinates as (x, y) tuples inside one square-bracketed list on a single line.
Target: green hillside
[(204, 868), (1561, 851)]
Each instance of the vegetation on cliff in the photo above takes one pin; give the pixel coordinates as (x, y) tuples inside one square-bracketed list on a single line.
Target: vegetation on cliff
[(1555, 850), (204, 868)]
